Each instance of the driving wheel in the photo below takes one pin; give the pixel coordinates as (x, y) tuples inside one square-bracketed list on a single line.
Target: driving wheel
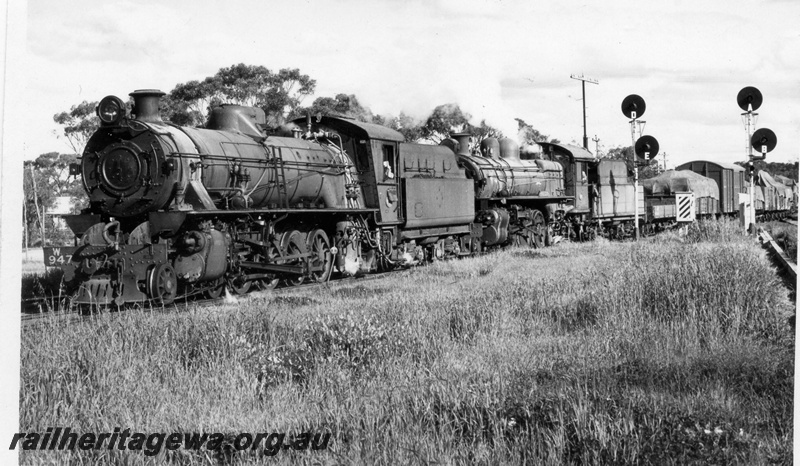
[(271, 281), (320, 248), (293, 243)]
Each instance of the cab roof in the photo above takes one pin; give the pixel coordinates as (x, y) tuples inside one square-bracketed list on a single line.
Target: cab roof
[(354, 128), (574, 152)]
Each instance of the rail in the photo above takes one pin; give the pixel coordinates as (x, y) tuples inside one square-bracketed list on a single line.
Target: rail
[(71, 316), (781, 258)]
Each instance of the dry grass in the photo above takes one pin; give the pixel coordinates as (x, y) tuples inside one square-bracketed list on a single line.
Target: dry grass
[(785, 235), (674, 350), (49, 285)]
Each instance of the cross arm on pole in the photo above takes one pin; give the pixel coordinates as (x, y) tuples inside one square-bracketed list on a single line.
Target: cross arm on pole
[(583, 79)]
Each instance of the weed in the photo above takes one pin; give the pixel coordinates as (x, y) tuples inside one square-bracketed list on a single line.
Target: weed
[(662, 351)]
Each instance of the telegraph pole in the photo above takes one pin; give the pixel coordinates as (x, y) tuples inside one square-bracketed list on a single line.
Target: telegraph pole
[(596, 145), (583, 81)]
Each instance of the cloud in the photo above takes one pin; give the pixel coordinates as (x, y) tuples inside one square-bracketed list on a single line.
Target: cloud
[(497, 60)]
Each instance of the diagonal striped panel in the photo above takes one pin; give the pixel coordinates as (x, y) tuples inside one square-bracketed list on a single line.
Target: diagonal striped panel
[(684, 204)]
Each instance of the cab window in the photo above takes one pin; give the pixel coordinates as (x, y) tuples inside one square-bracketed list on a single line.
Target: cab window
[(388, 162), (362, 156)]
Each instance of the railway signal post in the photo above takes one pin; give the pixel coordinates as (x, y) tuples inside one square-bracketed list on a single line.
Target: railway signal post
[(749, 100), (644, 147)]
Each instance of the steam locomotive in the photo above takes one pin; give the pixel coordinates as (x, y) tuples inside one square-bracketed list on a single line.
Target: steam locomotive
[(178, 211)]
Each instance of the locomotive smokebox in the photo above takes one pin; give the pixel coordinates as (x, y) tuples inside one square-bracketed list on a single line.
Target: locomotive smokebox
[(463, 142), (145, 105)]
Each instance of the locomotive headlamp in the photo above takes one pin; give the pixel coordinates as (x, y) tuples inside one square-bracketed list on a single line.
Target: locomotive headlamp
[(111, 110)]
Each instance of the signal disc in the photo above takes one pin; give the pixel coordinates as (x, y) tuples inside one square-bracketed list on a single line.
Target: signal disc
[(749, 95), (646, 148), (764, 137), (633, 103)]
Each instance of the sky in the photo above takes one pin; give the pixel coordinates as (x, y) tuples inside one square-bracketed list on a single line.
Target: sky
[(498, 60)]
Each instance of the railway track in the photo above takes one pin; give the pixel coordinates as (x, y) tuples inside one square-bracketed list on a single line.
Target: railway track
[(787, 266), (72, 316)]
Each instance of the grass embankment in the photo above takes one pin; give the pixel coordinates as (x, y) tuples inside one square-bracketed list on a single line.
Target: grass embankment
[(669, 351), (785, 235)]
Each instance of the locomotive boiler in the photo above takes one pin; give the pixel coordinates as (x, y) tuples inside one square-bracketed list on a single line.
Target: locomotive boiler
[(148, 165)]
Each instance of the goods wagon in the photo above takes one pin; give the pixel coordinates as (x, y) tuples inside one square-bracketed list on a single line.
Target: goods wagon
[(730, 179)]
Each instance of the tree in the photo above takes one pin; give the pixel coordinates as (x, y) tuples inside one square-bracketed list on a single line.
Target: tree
[(35, 201), (483, 131), (789, 170), (278, 94), (529, 135), (346, 105), (409, 127), (79, 123), (46, 179), (287, 90), (445, 120), (188, 103), (380, 120), (626, 154)]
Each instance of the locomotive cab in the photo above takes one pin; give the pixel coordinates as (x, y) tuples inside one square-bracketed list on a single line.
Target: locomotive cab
[(577, 163), (374, 151)]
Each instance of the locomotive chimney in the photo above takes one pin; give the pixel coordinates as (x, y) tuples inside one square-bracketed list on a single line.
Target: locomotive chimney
[(145, 105), (463, 142)]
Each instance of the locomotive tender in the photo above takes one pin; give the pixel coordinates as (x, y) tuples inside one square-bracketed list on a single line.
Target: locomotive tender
[(178, 211)]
